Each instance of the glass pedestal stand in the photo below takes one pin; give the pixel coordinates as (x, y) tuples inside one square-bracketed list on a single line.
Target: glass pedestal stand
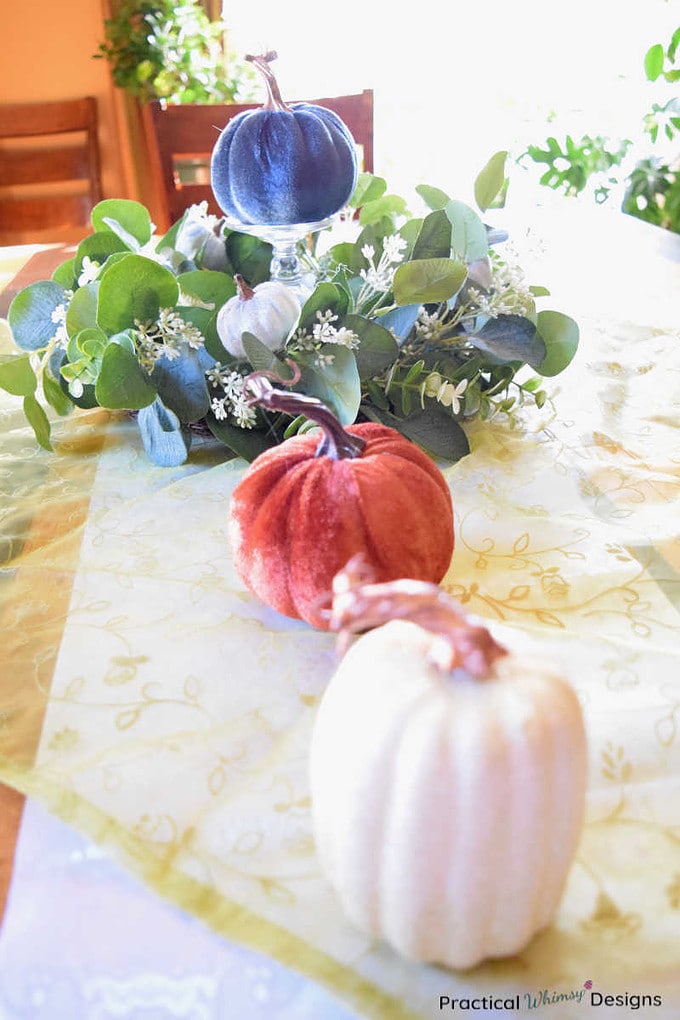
[(286, 265)]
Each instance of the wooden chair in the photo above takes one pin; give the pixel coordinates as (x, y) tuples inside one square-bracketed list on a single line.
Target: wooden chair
[(50, 173), (181, 139)]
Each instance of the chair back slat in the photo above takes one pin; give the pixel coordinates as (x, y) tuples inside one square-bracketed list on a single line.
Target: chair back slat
[(50, 169), (39, 215), (44, 166)]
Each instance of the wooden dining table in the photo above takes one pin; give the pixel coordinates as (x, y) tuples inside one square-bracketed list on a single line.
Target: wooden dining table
[(155, 718)]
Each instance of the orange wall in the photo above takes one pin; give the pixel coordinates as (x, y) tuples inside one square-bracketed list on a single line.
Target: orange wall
[(47, 49)]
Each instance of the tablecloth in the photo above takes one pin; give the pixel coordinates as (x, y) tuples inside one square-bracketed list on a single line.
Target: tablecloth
[(151, 702)]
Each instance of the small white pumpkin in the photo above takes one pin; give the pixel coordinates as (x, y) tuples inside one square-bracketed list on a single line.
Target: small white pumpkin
[(447, 803), (270, 311)]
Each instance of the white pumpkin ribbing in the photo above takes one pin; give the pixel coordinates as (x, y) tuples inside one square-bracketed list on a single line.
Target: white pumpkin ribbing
[(446, 809)]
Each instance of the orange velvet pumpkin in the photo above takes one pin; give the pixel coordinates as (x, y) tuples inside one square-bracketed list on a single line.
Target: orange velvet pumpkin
[(305, 507)]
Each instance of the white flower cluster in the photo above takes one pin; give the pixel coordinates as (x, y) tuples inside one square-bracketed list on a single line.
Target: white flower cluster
[(427, 324), (378, 277), (89, 271), (444, 391), (324, 332), (60, 338), (164, 338), (234, 402), (508, 293)]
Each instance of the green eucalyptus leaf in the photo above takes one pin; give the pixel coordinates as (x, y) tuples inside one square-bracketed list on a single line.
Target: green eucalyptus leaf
[(38, 421), (409, 231), (468, 233), (560, 335), (165, 439), (368, 188), (414, 371), (246, 443), (89, 342), (378, 348), (210, 287), (250, 257), (341, 253), (433, 429), (405, 398), (510, 338), (385, 207), (122, 384), (134, 288), (98, 247), (54, 395), (377, 395), (337, 384), (123, 340), (169, 240), (261, 358), (342, 280), (65, 274), (128, 220), (325, 297), (400, 321), (491, 180), (434, 198), (82, 310), (16, 375), (30, 314), (213, 344), (65, 370), (425, 281), (434, 237), (181, 385)]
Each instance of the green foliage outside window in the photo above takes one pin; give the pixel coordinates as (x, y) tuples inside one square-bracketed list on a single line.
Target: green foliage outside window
[(171, 50), (571, 165), (652, 187)]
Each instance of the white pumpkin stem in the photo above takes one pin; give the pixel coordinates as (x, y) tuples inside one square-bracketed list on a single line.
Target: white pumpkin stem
[(245, 292), (274, 99), (360, 604)]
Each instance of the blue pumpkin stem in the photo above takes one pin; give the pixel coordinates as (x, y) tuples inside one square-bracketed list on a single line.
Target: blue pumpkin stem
[(274, 98)]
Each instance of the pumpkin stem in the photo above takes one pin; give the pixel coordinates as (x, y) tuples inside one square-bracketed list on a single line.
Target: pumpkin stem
[(359, 604), (336, 443), (274, 99), (245, 292)]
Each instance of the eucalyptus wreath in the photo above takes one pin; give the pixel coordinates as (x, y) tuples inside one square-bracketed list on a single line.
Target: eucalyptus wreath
[(421, 323)]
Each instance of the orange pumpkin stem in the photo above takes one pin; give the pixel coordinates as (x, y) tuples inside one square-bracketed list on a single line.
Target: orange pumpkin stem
[(359, 604), (274, 99), (335, 443)]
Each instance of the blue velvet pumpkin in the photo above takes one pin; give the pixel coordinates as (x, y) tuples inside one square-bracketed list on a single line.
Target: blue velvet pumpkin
[(283, 164)]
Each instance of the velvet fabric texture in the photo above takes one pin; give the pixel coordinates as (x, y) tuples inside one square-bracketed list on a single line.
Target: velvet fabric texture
[(284, 166), (297, 518)]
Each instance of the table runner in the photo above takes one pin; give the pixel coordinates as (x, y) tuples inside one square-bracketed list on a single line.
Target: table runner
[(178, 710)]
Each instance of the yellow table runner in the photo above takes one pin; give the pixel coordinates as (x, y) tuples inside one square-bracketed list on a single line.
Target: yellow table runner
[(178, 709)]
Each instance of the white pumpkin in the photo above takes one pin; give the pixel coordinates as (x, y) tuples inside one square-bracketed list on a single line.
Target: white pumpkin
[(446, 807), (269, 311)]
